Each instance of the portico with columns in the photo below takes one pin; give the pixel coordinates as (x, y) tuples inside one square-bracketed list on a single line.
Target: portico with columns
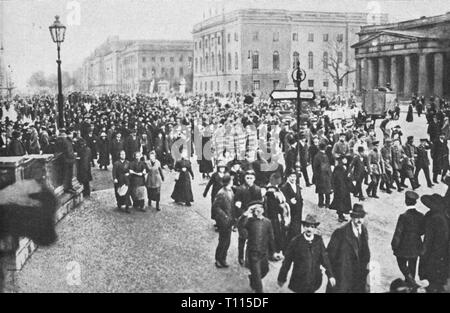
[(414, 62)]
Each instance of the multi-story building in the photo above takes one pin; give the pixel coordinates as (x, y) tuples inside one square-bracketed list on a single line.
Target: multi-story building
[(252, 49), (413, 56), (137, 66)]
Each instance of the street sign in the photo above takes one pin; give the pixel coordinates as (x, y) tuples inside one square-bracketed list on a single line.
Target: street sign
[(292, 95)]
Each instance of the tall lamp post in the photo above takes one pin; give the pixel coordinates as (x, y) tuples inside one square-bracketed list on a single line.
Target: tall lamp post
[(58, 33), (298, 75)]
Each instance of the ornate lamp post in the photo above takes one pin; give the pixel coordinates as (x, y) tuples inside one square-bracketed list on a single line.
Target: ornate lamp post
[(58, 33)]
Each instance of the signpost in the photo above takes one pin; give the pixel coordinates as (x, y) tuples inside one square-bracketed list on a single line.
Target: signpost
[(305, 95)]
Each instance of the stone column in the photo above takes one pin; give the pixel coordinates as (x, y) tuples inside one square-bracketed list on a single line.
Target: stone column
[(394, 74), (423, 75), (407, 91), (358, 75), (371, 73), (438, 74), (382, 72)]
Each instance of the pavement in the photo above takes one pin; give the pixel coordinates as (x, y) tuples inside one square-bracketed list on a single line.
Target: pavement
[(103, 250)]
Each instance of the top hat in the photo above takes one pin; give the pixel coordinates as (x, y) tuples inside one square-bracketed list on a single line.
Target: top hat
[(292, 171), (311, 219), (358, 211)]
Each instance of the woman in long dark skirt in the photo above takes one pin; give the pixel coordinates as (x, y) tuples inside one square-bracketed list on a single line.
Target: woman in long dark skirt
[(182, 193), (342, 201), (206, 164), (410, 116), (137, 181), (154, 181)]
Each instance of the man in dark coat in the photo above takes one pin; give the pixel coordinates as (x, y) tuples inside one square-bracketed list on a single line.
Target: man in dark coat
[(349, 253), (116, 146), (303, 154), (292, 192), (245, 194), (358, 170), (222, 210), (322, 176), (103, 151), (16, 146), (434, 129), (407, 242), (64, 145), (91, 140), (433, 264), (132, 144), (84, 175), (422, 162), (260, 246), (342, 187), (307, 252), (440, 154)]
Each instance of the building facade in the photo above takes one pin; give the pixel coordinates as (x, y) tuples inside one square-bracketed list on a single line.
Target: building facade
[(254, 50), (137, 66), (412, 56)]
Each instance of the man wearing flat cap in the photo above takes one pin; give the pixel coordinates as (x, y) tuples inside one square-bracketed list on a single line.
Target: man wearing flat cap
[(349, 253), (433, 265), (407, 242), (307, 252), (260, 244)]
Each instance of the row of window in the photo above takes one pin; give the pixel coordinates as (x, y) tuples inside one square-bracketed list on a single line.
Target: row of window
[(204, 86), (205, 42), (147, 73), (163, 59), (276, 37), (254, 56)]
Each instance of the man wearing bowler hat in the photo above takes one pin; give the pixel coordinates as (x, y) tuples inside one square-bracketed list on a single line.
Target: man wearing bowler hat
[(407, 242), (307, 252), (349, 253)]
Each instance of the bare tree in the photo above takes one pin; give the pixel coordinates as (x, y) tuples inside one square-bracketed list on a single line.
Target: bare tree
[(334, 65)]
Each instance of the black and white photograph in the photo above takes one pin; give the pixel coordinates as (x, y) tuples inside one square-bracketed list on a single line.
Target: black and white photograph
[(224, 147)]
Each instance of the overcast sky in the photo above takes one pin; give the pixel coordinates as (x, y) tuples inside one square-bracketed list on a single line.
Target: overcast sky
[(28, 46)]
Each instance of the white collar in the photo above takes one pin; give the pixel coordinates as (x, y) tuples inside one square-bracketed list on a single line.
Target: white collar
[(356, 229), (411, 207)]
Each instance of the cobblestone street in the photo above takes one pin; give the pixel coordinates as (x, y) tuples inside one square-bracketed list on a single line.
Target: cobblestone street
[(173, 250)]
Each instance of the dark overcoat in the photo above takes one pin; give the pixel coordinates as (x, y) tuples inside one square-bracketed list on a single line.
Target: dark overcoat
[(103, 149), (433, 264), (306, 276), (349, 260), (407, 241), (322, 173), (84, 171), (183, 190), (342, 201)]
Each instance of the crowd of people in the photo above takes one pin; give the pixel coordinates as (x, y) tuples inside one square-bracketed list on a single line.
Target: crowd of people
[(254, 158)]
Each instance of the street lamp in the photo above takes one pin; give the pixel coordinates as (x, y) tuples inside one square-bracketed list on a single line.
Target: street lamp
[(58, 32), (298, 75)]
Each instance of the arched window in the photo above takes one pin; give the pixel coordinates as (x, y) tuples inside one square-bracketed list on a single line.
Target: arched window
[(172, 72), (207, 63), (295, 59), (276, 61), (310, 60), (196, 65), (229, 61), (255, 60), (201, 64), (325, 60), (236, 61), (213, 62)]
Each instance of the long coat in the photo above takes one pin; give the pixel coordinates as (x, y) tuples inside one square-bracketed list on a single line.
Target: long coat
[(84, 171), (433, 264), (322, 173), (439, 154), (222, 208), (307, 257), (183, 190), (348, 262), (342, 201), (295, 227), (410, 116), (103, 148), (407, 241), (116, 147)]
